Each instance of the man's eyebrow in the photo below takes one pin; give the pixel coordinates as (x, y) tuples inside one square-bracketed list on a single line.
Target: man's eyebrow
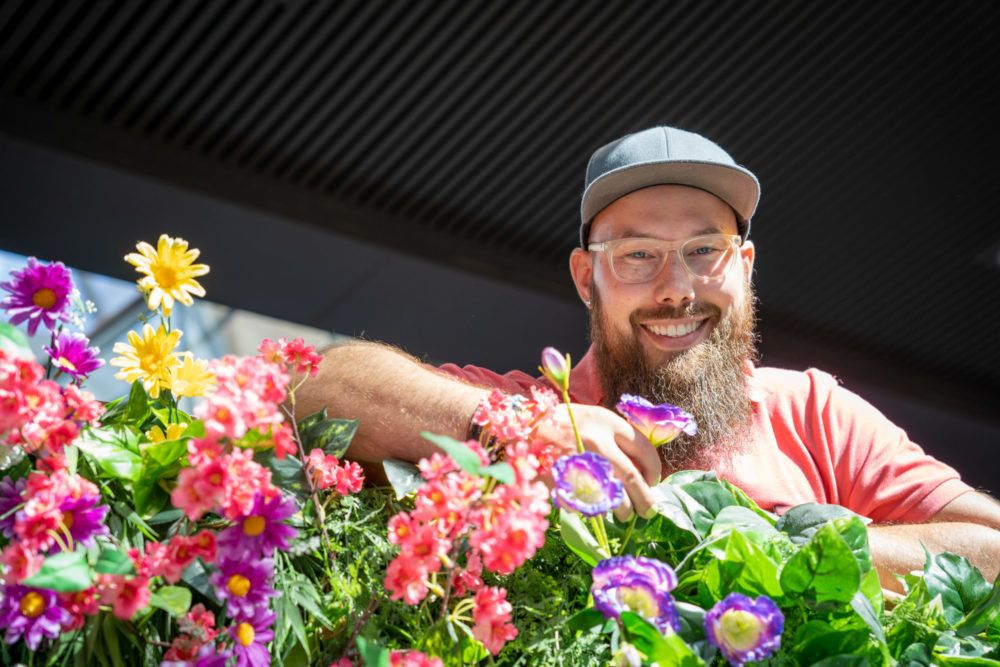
[(709, 229)]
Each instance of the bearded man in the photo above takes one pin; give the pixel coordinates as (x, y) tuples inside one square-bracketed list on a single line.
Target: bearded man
[(665, 268)]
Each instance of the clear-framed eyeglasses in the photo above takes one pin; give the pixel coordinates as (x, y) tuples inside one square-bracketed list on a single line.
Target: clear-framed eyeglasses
[(638, 260)]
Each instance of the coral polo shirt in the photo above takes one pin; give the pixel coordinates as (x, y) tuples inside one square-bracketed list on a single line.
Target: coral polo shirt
[(813, 441)]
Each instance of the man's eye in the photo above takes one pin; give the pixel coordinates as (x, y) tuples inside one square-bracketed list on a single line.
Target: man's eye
[(703, 250), (639, 255)]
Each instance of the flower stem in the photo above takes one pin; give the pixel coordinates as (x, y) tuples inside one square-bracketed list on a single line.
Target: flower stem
[(572, 420), (628, 533)]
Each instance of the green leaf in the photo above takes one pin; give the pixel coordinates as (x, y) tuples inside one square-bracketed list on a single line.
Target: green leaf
[(587, 619), (196, 577), (983, 615), (298, 627), (175, 600), (961, 587), (114, 449), (664, 650), (287, 473), (745, 569), (710, 495), (112, 561), (742, 518), (802, 521), (855, 534), (676, 505), (159, 461), (404, 477), (863, 607), (109, 634), (333, 436), (14, 341), (501, 472), (126, 512), (65, 572), (817, 640), (372, 655), (823, 570), (464, 458), (137, 405), (579, 539)]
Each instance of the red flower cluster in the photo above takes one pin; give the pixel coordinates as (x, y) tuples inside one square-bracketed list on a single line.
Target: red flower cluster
[(39, 414), (513, 418), (503, 524), (326, 472)]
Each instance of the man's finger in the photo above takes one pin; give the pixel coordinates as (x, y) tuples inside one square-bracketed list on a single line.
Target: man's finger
[(643, 455)]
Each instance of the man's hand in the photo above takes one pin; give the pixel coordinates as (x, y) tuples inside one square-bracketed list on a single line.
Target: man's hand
[(633, 458)]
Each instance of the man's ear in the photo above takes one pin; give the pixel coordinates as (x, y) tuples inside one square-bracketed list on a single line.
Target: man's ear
[(747, 255), (581, 265)]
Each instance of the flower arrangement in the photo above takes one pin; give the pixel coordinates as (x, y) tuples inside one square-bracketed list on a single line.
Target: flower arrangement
[(135, 532)]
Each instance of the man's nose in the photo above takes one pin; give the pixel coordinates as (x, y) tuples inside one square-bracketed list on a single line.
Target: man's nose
[(674, 284)]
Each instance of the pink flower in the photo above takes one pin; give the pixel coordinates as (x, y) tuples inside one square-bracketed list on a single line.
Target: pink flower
[(126, 595), (71, 355), (199, 623), (413, 658), (469, 578), (193, 495), (284, 443), (244, 479), (511, 541), (491, 616), (21, 562), (326, 471), (406, 579), (297, 353), (38, 293)]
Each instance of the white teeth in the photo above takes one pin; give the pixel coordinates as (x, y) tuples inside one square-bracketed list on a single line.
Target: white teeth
[(674, 330)]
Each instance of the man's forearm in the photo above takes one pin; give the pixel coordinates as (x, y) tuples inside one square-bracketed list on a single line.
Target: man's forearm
[(394, 397), (899, 549)]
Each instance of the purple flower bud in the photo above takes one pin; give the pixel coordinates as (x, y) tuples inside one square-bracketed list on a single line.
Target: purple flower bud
[(744, 629), (555, 367), (660, 423), (637, 584), (586, 483)]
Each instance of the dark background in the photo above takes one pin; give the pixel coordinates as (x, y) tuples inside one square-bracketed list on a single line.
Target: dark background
[(411, 171)]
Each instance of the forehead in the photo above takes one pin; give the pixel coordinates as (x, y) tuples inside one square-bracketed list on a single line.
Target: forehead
[(664, 211)]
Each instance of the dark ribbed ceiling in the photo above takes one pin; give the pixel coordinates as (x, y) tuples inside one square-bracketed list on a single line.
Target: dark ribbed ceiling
[(459, 131)]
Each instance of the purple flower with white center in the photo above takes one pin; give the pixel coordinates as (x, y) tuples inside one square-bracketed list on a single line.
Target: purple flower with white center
[(39, 294), (260, 532), (84, 519), (71, 355), (250, 633), (208, 656), (245, 583), (637, 584), (659, 423), (10, 498), (31, 613), (744, 629), (555, 367), (586, 483)]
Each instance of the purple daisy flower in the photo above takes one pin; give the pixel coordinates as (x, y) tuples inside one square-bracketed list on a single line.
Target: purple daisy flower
[(208, 656), (250, 633), (637, 584), (10, 498), (744, 629), (31, 613), (39, 294), (260, 532), (659, 423), (84, 519), (245, 583), (586, 483), (71, 355)]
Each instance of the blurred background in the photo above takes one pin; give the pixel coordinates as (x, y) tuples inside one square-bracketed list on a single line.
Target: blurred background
[(411, 171)]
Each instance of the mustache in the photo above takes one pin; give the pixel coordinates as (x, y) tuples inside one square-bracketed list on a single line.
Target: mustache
[(667, 312)]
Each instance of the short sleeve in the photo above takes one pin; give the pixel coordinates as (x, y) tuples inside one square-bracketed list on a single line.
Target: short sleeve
[(879, 472), (514, 382)]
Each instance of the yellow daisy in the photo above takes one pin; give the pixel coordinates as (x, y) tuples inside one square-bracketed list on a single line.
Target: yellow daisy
[(192, 378), (169, 272), (174, 431), (148, 358)]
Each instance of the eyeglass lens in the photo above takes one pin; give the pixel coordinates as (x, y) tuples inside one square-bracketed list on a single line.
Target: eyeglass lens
[(638, 260)]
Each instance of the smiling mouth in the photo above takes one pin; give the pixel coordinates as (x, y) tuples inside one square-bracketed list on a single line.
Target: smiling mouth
[(674, 330)]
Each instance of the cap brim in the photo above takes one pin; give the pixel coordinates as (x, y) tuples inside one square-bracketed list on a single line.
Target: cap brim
[(734, 185)]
